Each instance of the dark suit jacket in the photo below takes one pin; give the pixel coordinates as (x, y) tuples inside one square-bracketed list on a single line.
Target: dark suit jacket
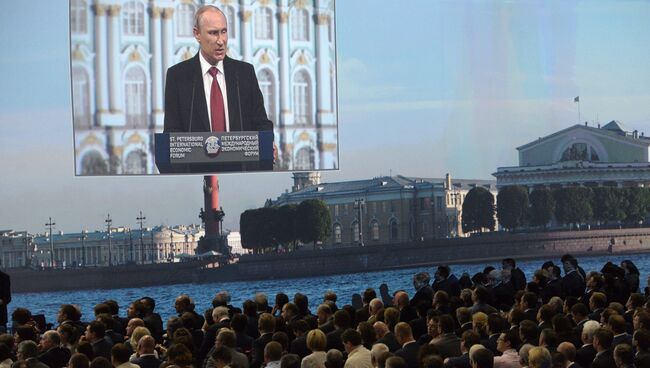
[(458, 362), (185, 81), (605, 360), (390, 341), (257, 357), (518, 279), (147, 361), (425, 294), (409, 353), (327, 327), (334, 340), (642, 359), (5, 295), (573, 284), (244, 343), (102, 348), (407, 314), (56, 357), (209, 338), (622, 339), (448, 345), (585, 356), (299, 347)]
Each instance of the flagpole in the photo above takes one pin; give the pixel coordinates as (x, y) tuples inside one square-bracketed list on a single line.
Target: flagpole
[(579, 119)]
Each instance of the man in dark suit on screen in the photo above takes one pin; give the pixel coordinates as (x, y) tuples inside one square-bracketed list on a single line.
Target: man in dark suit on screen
[(212, 92), (5, 298)]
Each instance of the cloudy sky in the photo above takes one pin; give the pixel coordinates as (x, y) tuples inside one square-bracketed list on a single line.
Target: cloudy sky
[(425, 88)]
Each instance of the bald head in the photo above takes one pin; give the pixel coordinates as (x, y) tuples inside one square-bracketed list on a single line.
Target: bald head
[(146, 345), (381, 329), (401, 299), (568, 349), (206, 10)]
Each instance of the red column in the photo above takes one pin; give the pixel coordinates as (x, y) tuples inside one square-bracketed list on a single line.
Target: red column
[(211, 199)]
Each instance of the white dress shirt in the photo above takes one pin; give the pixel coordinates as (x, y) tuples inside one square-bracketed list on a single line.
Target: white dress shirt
[(207, 86)]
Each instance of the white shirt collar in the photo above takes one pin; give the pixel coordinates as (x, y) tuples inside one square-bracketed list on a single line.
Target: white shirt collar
[(205, 66)]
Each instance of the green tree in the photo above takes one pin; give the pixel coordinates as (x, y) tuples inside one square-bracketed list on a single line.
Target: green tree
[(314, 221), (267, 227), (573, 205), (638, 202), (542, 207), (512, 206), (248, 221), (609, 204), (478, 210), (286, 232)]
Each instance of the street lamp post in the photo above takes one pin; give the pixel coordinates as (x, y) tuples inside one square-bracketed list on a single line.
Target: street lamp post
[(83, 247), (141, 219), (108, 222), (51, 224)]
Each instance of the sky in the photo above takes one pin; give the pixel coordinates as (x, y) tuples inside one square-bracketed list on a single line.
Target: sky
[(425, 88)]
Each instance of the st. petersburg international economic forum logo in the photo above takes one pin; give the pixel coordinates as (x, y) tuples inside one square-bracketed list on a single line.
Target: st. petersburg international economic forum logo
[(212, 146)]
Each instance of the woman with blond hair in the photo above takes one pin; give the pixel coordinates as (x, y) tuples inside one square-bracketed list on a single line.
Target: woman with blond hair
[(317, 343), (479, 324)]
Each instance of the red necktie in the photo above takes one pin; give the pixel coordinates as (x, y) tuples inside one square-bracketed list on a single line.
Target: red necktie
[(217, 111)]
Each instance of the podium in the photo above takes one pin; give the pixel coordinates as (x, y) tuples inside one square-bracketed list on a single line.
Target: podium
[(213, 153)]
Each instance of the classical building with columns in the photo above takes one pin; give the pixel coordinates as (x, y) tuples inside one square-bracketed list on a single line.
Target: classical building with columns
[(387, 209), (121, 49), (611, 155)]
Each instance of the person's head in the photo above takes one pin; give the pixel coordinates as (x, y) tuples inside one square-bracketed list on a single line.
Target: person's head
[(380, 329), (545, 313), (26, 349), (219, 313), (302, 303), (78, 360), (528, 331), (395, 362), (508, 340), (120, 354), (132, 324), (272, 352), (146, 345), (401, 299), (68, 333), (334, 359), (481, 358), (603, 338), (463, 315), (222, 356), (180, 355), (227, 338), (641, 340), (523, 354), (86, 348), (623, 355), (101, 308), (316, 340), (403, 333), (266, 323), (140, 332), (508, 264), (446, 324), (342, 319), (283, 339), (24, 333), (420, 280), (568, 349), (579, 312), (137, 309), (68, 312), (597, 301), (480, 295), (351, 339), (183, 303), (528, 300), (641, 320), (479, 322), (49, 340), (289, 311), (468, 339), (221, 299), (588, 330), (100, 362), (290, 361), (211, 32), (20, 316), (539, 357), (324, 313), (376, 351), (548, 338)]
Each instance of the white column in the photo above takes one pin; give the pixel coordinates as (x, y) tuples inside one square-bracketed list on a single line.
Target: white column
[(157, 74), (114, 70), (246, 32), (167, 36), (101, 76), (324, 114), (285, 88)]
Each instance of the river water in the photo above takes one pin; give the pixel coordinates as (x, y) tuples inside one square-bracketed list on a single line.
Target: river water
[(314, 287)]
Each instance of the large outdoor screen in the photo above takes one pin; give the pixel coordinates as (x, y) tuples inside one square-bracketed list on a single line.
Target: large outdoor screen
[(120, 53)]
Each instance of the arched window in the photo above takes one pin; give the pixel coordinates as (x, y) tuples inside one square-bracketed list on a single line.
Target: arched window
[(78, 16), (81, 98), (305, 159), (355, 231), (136, 162), (263, 23), (394, 230), (136, 98), (300, 25), (185, 20), (229, 11), (133, 18), (267, 85), (374, 230), (93, 164), (337, 234), (302, 98), (580, 152)]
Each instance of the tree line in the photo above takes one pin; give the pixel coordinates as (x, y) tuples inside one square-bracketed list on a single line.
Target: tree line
[(269, 228), (516, 207)]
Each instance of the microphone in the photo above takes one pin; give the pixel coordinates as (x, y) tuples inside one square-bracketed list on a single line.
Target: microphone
[(241, 121), (192, 103)]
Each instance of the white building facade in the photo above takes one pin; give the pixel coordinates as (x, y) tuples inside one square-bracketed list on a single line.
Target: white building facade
[(582, 155), (121, 50)]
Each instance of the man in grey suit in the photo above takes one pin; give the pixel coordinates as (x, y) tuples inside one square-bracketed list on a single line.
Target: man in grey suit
[(448, 344)]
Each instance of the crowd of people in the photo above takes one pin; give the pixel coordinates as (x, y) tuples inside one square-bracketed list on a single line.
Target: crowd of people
[(563, 317)]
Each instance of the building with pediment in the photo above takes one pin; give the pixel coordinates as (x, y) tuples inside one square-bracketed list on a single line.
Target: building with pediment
[(582, 155), (121, 50)]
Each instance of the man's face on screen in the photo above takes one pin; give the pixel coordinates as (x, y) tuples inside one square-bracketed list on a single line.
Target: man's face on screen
[(212, 36)]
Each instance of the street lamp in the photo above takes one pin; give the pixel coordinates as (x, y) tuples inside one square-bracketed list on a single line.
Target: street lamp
[(358, 205), (51, 224), (108, 222)]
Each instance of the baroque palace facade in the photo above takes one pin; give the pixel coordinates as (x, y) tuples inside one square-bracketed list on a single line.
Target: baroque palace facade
[(582, 155), (121, 50), (388, 209)]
